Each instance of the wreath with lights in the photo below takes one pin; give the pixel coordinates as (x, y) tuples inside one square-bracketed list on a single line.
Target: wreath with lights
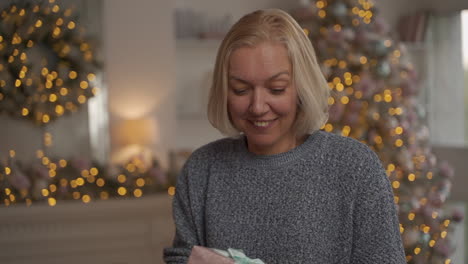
[(47, 64)]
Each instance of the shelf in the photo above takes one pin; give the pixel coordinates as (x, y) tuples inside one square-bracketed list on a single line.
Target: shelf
[(416, 46), (211, 44)]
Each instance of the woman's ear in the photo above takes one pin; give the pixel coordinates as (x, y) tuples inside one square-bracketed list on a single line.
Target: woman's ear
[(299, 103)]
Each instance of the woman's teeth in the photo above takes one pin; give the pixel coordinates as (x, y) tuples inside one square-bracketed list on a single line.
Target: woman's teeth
[(261, 124)]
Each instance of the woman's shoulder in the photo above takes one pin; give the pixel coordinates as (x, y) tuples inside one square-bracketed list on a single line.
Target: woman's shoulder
[(353, 158), (347, 148), (212, 151)]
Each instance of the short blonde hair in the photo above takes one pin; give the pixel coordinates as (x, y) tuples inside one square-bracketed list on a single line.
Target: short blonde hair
[(277, 26)]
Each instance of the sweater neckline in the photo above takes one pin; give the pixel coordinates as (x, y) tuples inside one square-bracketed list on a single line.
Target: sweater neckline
[(276, 160)]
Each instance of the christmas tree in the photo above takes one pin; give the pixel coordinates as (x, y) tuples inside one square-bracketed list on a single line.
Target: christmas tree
[(47, 65), (374, 99), (48, 68)]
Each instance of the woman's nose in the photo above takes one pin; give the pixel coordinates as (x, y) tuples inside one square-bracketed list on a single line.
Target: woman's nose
[(258, 103)]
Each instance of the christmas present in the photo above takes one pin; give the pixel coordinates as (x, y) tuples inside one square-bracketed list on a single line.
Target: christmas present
[(205, 255)]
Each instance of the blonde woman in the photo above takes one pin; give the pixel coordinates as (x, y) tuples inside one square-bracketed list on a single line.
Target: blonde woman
[(278, 188)]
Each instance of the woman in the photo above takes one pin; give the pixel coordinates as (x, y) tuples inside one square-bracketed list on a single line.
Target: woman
[(279, 189)]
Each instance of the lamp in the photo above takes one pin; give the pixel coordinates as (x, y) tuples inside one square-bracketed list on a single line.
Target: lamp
[(134, 137)]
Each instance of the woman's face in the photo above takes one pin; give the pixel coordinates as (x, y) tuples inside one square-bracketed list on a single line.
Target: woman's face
[(262, 99)]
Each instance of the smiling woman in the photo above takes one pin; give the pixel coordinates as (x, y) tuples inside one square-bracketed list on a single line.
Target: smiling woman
[(262, 100), (278, 188)]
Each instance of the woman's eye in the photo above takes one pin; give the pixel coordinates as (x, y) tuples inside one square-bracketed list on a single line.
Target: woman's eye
[(238, 88), (239, 91), (278, 90)]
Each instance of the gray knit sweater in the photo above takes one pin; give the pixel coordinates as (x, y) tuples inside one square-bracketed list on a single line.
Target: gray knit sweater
[(325, 201)]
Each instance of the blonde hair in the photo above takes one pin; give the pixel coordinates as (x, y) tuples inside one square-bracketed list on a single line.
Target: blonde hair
[(277, 26)]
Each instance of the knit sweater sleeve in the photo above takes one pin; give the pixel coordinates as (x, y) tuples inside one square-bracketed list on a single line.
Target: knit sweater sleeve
[(187, 210), (376, 236)]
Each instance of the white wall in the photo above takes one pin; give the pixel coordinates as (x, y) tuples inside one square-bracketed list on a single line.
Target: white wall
[(139, 58), (444, 6), (391, 10), (215, 8), (446, 107)]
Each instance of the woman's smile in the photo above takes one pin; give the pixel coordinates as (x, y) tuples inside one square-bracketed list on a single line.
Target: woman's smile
[(262, 98)]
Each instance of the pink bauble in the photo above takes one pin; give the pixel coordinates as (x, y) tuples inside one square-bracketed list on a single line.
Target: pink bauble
[(158, 175), (411, 237), (381, 25), (335, 112), (446, 170), (81, 163), (40, 171), (19, 180), (457, 215)]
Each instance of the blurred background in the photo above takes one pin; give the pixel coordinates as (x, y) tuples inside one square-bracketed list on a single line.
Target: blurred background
[(102, 101)]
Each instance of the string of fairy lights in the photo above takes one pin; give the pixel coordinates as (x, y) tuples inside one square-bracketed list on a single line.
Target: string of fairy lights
[(374, 99), (83, 180), (46, 58), (48, 69)]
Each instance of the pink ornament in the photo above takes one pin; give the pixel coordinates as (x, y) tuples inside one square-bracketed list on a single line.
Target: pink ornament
[(412, 74), (432, 160), (444, 187), (355, 106), (446, 170), (371, 135), (62, 190), (442, 247), (306, 12), (415, 204), (41, 172), (418, 259), (409, 88), (405, 125), (418, 191), (19, 180), (410, 237), (436, 199), (158, 175), (389, 123), (335, 112), (362, 37), (412, 116), (112, 171), (349, 34), (413, 148), (423, 134), (404, 160), (457, 215), (351, 118), (81, 163), (426, 211), (381, 25), (321, 45), (367, 85), (335, 36)]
